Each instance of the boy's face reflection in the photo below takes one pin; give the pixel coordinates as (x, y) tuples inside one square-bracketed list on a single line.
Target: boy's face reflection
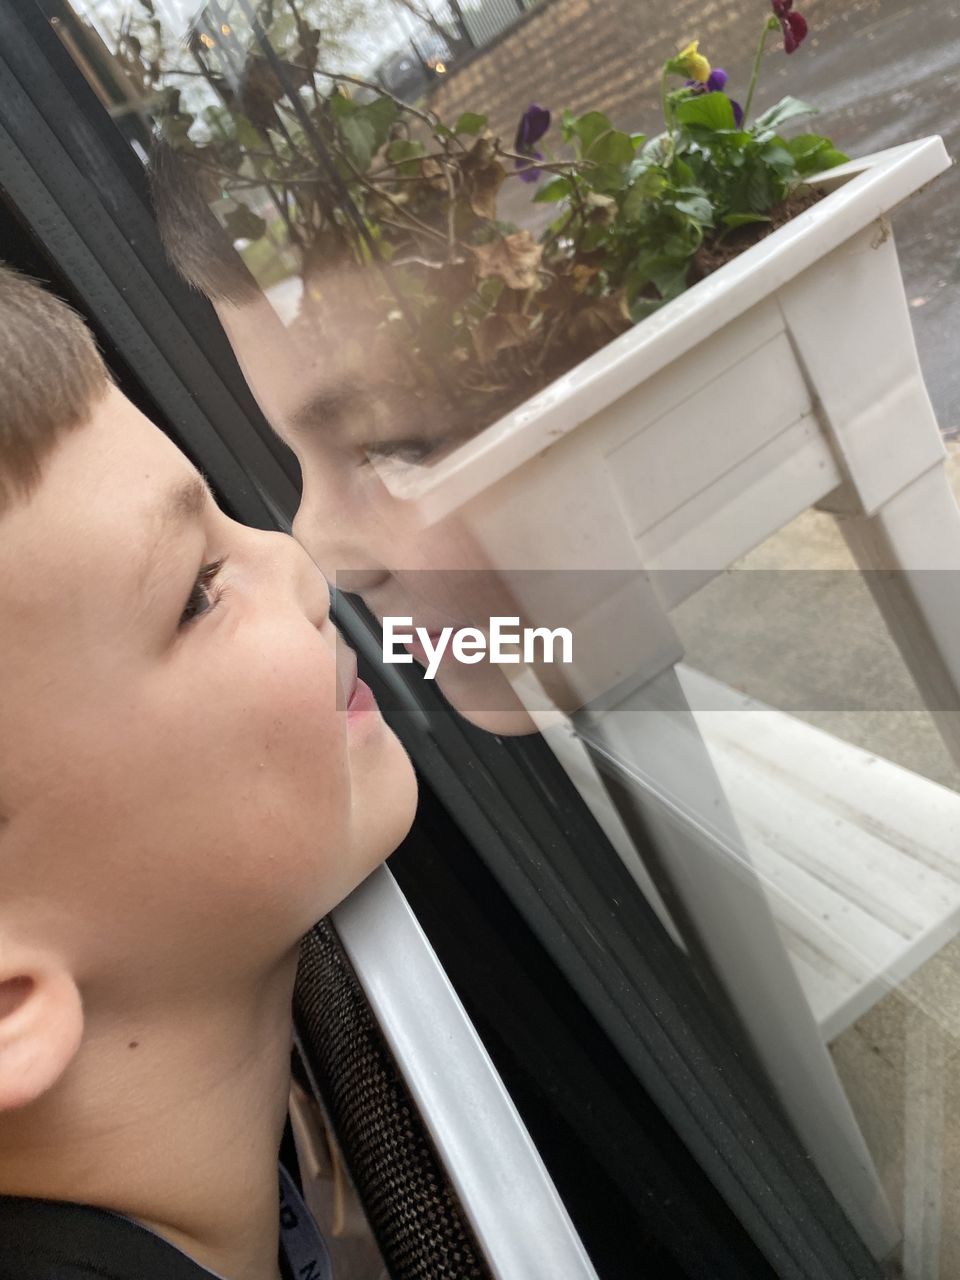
[(336, 402)]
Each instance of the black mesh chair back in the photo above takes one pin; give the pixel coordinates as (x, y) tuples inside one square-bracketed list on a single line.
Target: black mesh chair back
[(419, 1225)]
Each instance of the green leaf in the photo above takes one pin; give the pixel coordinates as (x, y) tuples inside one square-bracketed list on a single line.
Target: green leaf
[(644, 307), (786, 109), (553, 190), (732, 220), (683, 174), (829, 159), (663, 270), (638, 139), (697, 207), (646, 188), (402, 150), (359, 139), (775, 154), (671, 279), (470, 122), (611, 179), (594, 237), (610, 148), (248, 135), (243, 224), (684, 241), (813, 154), (806, 144), (381, 114), (708, 110), (758, 190), (589, 127), (340, 105)]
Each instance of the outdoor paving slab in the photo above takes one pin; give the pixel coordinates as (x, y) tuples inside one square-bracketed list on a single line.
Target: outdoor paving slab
[(793, 625)]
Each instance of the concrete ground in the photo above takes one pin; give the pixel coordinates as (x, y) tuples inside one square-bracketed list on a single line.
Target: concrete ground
[(812, 643)]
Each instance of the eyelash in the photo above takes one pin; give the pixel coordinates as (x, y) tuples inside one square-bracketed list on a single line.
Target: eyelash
[(412, 452), (207, 586)]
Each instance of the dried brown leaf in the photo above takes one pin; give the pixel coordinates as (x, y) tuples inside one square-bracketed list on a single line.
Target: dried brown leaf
[(483, 175), (432, 171), (514, 259), (497, 333), (601, 320)]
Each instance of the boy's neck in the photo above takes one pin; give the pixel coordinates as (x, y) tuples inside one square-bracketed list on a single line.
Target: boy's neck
[(173, 1118)]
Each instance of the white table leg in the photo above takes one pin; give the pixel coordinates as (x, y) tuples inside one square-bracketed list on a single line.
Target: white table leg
[(650, 752), (909, 550), (849, 323), (924, 1116)]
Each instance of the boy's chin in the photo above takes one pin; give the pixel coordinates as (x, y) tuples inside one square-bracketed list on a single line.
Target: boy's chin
[(383, 807), (483, 697)]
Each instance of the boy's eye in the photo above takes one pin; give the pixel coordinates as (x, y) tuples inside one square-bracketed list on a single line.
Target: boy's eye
[(204, 594), (412, 452)]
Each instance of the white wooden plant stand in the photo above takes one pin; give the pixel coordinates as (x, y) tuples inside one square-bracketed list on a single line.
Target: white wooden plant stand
[(789, 378)]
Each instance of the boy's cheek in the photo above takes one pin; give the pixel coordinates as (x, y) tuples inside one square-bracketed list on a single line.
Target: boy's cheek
[(211, 777)]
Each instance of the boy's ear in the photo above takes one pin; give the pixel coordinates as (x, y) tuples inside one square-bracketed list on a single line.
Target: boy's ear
[(41, 1024)]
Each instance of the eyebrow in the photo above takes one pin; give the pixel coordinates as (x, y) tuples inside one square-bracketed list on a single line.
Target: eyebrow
[(185, 501), (327, 406), (182, 504)]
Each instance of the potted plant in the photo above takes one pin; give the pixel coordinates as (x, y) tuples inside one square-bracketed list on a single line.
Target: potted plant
[(524, 340), (353, 177)]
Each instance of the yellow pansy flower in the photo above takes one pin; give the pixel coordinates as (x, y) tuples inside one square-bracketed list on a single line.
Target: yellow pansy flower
[(692, 63)]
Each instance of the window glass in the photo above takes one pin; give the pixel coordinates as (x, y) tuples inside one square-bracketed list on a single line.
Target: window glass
[(600, 369)]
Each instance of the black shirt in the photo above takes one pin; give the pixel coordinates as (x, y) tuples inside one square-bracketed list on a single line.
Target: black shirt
[(54, 1240)]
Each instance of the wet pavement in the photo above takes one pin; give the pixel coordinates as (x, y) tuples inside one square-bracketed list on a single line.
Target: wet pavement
[(885, 72)]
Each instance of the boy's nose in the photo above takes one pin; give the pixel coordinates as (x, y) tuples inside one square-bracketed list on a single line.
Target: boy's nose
[(315, 594), (361, 581), (293, 573)]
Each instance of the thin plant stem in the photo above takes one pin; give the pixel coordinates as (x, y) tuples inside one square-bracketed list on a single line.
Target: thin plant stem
[(548, 166), (427, 117), (413, 223), (664, 104), (768, 26), (668, 120)]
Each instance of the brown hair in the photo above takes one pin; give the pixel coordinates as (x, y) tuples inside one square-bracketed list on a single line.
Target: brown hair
[(195, 242), (51, 376)]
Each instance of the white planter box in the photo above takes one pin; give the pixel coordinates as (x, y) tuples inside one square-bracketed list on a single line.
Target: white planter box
[(788, 375)]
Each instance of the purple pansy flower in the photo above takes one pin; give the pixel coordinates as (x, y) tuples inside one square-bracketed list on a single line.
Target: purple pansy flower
[(715, 83), (534, 123), (793, 25)]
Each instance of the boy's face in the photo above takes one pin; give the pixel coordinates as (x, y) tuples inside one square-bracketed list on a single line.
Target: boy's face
[(185, 793), (334, 407)]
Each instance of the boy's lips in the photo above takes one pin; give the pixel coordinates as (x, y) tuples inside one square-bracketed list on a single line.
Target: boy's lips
[(361, 699), (358, 695)]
